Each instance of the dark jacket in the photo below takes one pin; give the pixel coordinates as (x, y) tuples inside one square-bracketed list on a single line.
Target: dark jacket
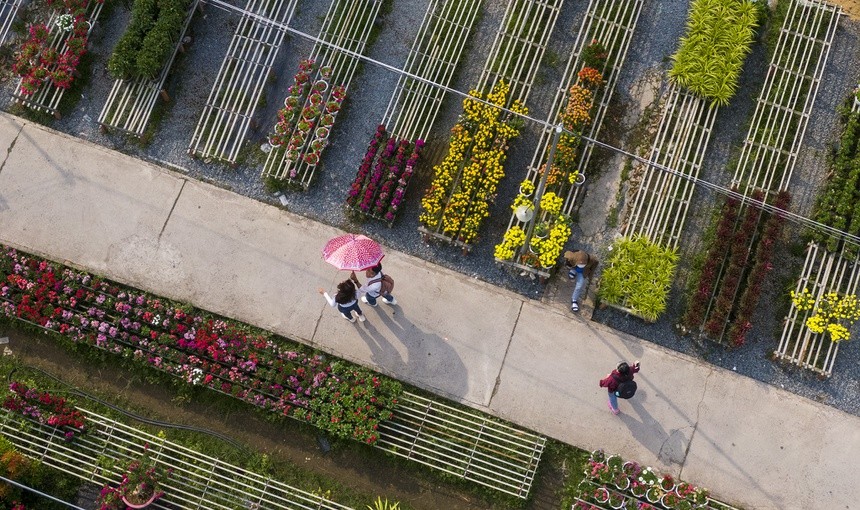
[(611, 381)]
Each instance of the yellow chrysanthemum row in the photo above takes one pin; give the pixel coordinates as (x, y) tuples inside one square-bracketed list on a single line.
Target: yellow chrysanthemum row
[(832, 313), (514, 238)]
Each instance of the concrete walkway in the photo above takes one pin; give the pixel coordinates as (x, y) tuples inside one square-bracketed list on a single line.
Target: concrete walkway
[(533, 364)]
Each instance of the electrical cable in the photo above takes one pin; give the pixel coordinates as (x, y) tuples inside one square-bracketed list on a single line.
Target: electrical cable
[(744, 199)]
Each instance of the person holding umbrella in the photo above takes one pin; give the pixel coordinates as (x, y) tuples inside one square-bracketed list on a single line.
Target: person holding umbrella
[(350, 252), (345, 300)]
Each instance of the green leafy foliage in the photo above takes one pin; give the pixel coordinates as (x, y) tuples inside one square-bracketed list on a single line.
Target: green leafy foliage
[(150, 38), (638, 275), (718, 39)]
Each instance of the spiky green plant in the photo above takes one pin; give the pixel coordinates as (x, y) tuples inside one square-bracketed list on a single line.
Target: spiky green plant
[(718, 39), (638, 276)]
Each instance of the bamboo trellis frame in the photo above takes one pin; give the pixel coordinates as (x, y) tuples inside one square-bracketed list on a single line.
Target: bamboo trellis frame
[(197, 480), (130, 102), (526, 26), (463, 443), (434, 56), (610, 22), (224, 122), (782, 110), (662, 200), (348, 24), (823, 272), (47, 98), (8, 11)]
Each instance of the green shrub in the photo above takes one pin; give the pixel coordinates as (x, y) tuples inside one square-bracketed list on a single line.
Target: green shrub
[(150, 38), (638, 276), (718, 39)]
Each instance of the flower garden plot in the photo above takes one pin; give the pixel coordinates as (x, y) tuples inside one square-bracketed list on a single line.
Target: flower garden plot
[(8, 11), (130, 102), (224, 356), (380, 184), (764, 170), (234, 97), (466, 444), (348, 24), (197, 480), (48, 59), (823, 272), (465, 183), (637, 277), (612, 483), (606, 31)]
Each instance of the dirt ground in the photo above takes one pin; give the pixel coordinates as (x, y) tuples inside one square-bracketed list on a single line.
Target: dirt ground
[(362, 469), (851, 7)]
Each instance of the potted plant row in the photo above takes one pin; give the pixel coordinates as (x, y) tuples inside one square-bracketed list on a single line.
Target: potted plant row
[(45, 408)]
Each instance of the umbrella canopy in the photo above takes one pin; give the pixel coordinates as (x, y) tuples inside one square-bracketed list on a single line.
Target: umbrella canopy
[(352, 252)]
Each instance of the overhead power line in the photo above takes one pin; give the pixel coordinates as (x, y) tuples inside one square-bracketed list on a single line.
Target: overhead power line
[(546, 124)]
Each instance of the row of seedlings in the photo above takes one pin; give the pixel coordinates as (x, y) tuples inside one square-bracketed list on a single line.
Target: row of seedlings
[(142, 60), (463, 443), (280, 377), (8, 12), (585, 91), (718, 37), (465, 182), (47, 61), (303, 129), (828, 282), (738, 259), (189, 479), (236, 93), (383, 177)]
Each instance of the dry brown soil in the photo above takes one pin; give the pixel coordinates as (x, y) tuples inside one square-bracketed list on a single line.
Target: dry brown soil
[(851, 7)]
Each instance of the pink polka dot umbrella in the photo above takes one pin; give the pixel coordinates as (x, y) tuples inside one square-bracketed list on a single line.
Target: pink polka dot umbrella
[(352, 252)]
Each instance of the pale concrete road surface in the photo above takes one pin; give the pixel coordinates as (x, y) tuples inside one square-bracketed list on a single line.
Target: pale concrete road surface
[(528, 362)]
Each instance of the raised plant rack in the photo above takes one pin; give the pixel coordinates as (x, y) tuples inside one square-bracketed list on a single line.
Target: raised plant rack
[(612, 24), (130, 102), (348, 25), (197, 480), (662, 199), (466, 444), (47, 98), (8, 12), (236, 93), (517, 50), (415, 104), (780, 119), (823, 272)]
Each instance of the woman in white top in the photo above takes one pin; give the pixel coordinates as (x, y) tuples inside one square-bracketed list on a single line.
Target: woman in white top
[(345, 300), (372, 290)]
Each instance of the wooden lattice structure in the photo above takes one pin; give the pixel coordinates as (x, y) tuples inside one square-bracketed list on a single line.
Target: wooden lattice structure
[(130, 102), (236, 93)]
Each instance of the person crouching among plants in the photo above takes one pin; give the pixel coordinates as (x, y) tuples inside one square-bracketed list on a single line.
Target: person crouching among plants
[(580, 267)]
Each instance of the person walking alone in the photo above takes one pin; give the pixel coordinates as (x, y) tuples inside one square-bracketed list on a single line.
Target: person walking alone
[(377, 286), (580, 266), (619, 383), (345, 300)]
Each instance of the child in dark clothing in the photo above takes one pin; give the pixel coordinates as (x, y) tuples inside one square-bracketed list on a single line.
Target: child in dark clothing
[(622, 373)]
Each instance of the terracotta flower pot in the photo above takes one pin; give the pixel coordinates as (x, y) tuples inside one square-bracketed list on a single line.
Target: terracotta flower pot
[(139, 505)]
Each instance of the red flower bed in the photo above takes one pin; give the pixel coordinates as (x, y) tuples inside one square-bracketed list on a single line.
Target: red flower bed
[(45, 408), (223, 355)]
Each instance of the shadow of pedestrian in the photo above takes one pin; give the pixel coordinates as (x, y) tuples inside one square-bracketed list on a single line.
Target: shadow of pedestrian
[(669, 447)]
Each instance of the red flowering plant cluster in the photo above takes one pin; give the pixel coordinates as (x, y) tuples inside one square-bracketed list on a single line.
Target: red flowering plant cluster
[(141, 483), (380, 184), (222, 355), (45, 408), (736, 293), (609, 480), (53, 53)]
